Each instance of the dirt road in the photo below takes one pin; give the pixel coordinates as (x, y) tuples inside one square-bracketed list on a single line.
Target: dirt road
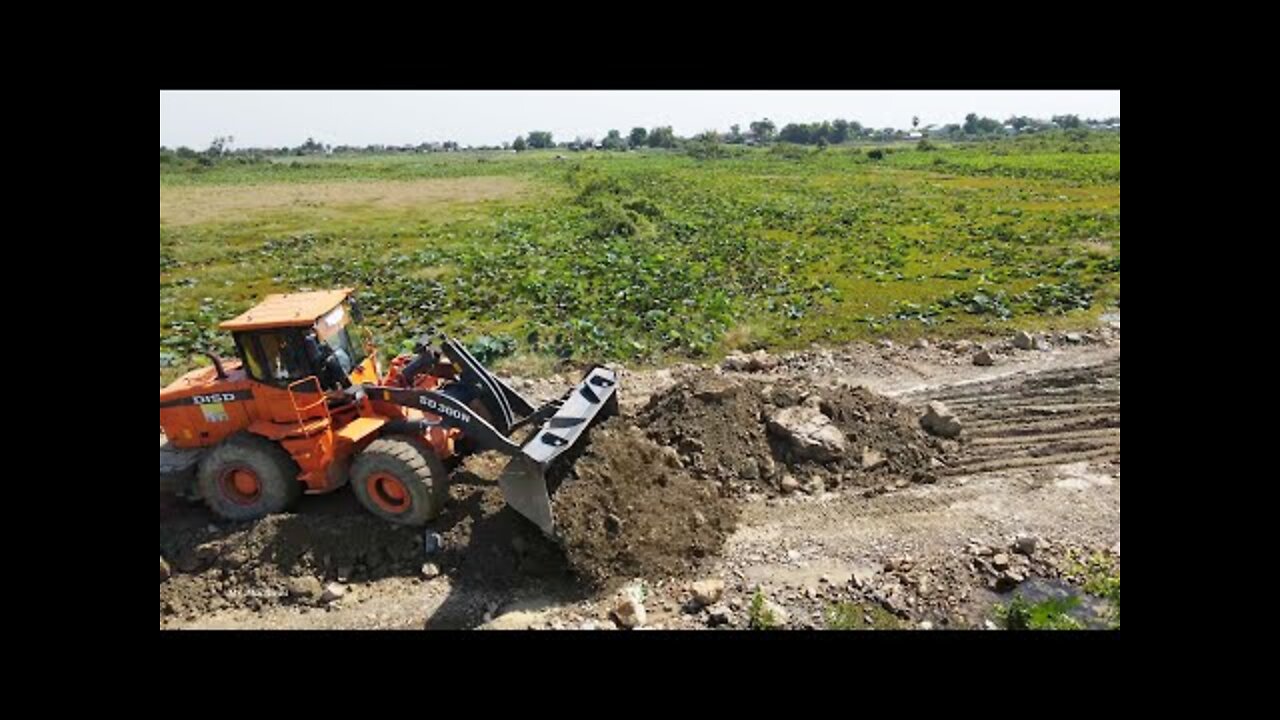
[(1033, 483)]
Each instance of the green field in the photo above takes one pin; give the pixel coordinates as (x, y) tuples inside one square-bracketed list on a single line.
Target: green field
[(648, 256)]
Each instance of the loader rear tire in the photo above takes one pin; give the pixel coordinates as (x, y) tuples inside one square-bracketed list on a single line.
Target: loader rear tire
[(400, 480), (248, 477)]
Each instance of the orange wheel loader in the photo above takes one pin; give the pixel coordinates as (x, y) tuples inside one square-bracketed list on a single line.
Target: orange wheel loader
[(306, 408)]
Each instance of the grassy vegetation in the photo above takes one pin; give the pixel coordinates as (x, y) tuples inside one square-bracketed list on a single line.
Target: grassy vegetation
[(852, 616), (1051, 614), (759, 616), (646, 256)]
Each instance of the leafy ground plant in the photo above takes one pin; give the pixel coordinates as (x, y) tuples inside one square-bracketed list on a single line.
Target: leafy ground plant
[(1051, 614)]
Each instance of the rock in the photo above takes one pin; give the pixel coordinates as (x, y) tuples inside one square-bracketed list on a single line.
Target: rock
[(612, 524), (628, 610), (670, 456), (962, 346), (165, 572), (793, 555), (1000, 561), (699, 519), (989, 625), (920, 344), (1074, 337), (816, 485), (789, 484), (736, 362), (926, 625), (1024, 341), (307, 588), (718, 615), (1025, 544), (872, 459), (332, 592), (430, 570), (982, 358), (936, 464), (886, 344), (432, 543), (707, 592), (515, 620), (810, 433), (939, 420)]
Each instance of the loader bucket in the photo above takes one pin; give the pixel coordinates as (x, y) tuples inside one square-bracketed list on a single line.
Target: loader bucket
[(524, 480)]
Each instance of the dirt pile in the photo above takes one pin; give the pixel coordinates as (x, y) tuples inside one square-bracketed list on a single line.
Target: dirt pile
[(629, 510), (281, 559), (740, 430)]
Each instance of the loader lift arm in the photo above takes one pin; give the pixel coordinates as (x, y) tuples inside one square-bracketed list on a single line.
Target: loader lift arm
[(523, 482)]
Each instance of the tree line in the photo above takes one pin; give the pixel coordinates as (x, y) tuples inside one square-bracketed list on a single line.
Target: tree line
[(759, 132)]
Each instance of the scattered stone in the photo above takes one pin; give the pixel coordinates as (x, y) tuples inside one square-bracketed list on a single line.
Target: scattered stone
[(886, 344), (718, 615), (165, 572), (332, 592), (816, 485), (936, 464), (707, 592), (939, 420), (628, 610), (1000, 561), (811, 434), (1074, 337), (872, 459), (671, 457), (789, 484), (926, 625), (1025, 544), (921, 344), (989, 625), (962, 346), (793, 555), (1024, 341), (307, 587), (982, 358), (430, 570)]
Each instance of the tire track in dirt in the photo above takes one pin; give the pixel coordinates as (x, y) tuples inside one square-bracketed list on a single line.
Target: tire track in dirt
[(1053, 417)]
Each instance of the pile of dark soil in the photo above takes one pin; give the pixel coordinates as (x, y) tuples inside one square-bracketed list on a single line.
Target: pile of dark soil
[(628, 510), (719, 428), (281, 559)]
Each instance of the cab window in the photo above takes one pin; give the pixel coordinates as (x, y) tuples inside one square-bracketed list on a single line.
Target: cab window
[(277, 357)]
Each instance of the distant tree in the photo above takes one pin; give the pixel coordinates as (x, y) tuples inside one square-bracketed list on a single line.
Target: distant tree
[(797, 133), (663, 137), (762, 130), (915, 121), (974, 125), (519, 145), (1067, 122), (540, 139), (218, 146), (735, 135), (638, 137), (613, 141), (839, 131)]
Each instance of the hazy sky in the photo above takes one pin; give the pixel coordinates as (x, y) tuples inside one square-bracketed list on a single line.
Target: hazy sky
[(489, 117)]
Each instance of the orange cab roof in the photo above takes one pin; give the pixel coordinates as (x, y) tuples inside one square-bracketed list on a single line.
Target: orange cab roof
[(288, 310)]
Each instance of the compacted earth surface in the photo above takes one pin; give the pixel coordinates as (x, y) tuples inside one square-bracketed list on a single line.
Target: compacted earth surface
[(865, 486)]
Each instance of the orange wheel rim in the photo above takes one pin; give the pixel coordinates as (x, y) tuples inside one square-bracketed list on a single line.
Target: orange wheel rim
[(240, 485), (388, 493)]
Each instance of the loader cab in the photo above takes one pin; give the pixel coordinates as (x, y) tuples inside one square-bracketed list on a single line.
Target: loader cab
[(288, 338)]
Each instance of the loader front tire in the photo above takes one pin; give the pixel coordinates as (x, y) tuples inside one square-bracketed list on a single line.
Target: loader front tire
[(400, 480), (248, 477)]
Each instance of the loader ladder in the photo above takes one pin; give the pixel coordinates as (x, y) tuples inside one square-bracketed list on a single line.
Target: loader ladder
[(298, 410)]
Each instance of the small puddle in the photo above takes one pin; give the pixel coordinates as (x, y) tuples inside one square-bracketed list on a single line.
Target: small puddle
[(1092, 613)]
